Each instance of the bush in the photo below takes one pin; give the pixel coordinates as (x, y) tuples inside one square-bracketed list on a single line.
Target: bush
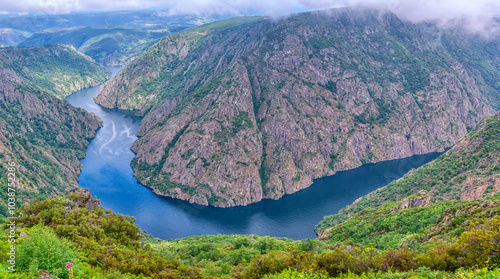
[(482, 245), (241, 242), (267, 244), (294, 274), (44, 250)]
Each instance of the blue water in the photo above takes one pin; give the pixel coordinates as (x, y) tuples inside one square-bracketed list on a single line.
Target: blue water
[(107, 174)]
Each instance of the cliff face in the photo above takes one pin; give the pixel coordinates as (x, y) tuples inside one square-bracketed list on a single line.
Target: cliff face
[(45, 136), (249, 108)]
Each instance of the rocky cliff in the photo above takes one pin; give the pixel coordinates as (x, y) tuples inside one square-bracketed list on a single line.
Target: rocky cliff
[(45, 136), (249, 108)]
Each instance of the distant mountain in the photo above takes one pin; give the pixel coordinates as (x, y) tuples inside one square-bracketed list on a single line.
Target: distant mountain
[(108, 46), (39, 131), (12, 37), (470, 171), (251, 108), (155, 18), (111, 38)]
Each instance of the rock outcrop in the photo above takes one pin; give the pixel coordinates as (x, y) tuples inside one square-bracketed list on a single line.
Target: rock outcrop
[(422, 199), (83, 198)]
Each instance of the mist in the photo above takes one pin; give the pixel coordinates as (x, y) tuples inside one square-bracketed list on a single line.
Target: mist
[(473, 16), (479, 16)]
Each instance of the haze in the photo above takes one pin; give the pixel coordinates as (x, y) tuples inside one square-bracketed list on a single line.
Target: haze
[(475, 16)]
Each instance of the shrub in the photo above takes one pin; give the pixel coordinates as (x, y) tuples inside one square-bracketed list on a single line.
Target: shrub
[(482, 245), (294, 274), (267, 244), (44, 250)]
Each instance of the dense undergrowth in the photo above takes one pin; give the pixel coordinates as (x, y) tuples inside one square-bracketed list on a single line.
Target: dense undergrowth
[(102, 244)]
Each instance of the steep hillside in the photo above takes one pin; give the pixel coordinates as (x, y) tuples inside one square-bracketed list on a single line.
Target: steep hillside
[(54, 69), (42, 134), (412, 222), (249, 108), (470, 171)]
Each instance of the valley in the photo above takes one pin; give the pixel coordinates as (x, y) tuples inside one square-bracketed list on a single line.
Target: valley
[(350, 142), (107, 174), (111, 38)]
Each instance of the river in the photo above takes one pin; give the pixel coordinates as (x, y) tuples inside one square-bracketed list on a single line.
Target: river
[(107, 174)]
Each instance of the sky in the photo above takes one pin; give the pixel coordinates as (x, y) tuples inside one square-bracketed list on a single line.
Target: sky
[(411, 9), (472, 14)]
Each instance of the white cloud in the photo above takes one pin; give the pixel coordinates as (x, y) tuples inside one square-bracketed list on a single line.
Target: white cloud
[(445, 11)]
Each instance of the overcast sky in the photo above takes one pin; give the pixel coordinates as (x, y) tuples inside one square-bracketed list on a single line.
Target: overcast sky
[(445, 11)]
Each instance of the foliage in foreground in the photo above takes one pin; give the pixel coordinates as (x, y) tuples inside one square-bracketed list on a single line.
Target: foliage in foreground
[(108, 245), (101, 242)]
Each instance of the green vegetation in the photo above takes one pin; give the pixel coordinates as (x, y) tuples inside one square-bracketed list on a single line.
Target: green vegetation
[(53, 69), (389, 226), (43, 134), (106, 245), (109, 46), (332, 86), (227, 24), (100, 244), (475, 160), (44, 250)]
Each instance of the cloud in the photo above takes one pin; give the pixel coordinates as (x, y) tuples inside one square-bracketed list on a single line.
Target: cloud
[(413, 10), (233, 7), (474, 15), (67, 6)]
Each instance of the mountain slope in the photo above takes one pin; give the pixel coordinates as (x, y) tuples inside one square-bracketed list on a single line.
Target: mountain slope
[(250, 108), (397, 224), (45, 136), (469, 171), (54, 69)]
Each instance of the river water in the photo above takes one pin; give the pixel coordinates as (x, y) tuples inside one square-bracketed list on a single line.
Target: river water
[(107, 174)]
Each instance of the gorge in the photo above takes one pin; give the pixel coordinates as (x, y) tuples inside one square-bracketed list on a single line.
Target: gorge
[(251, 108), (107, 174)]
